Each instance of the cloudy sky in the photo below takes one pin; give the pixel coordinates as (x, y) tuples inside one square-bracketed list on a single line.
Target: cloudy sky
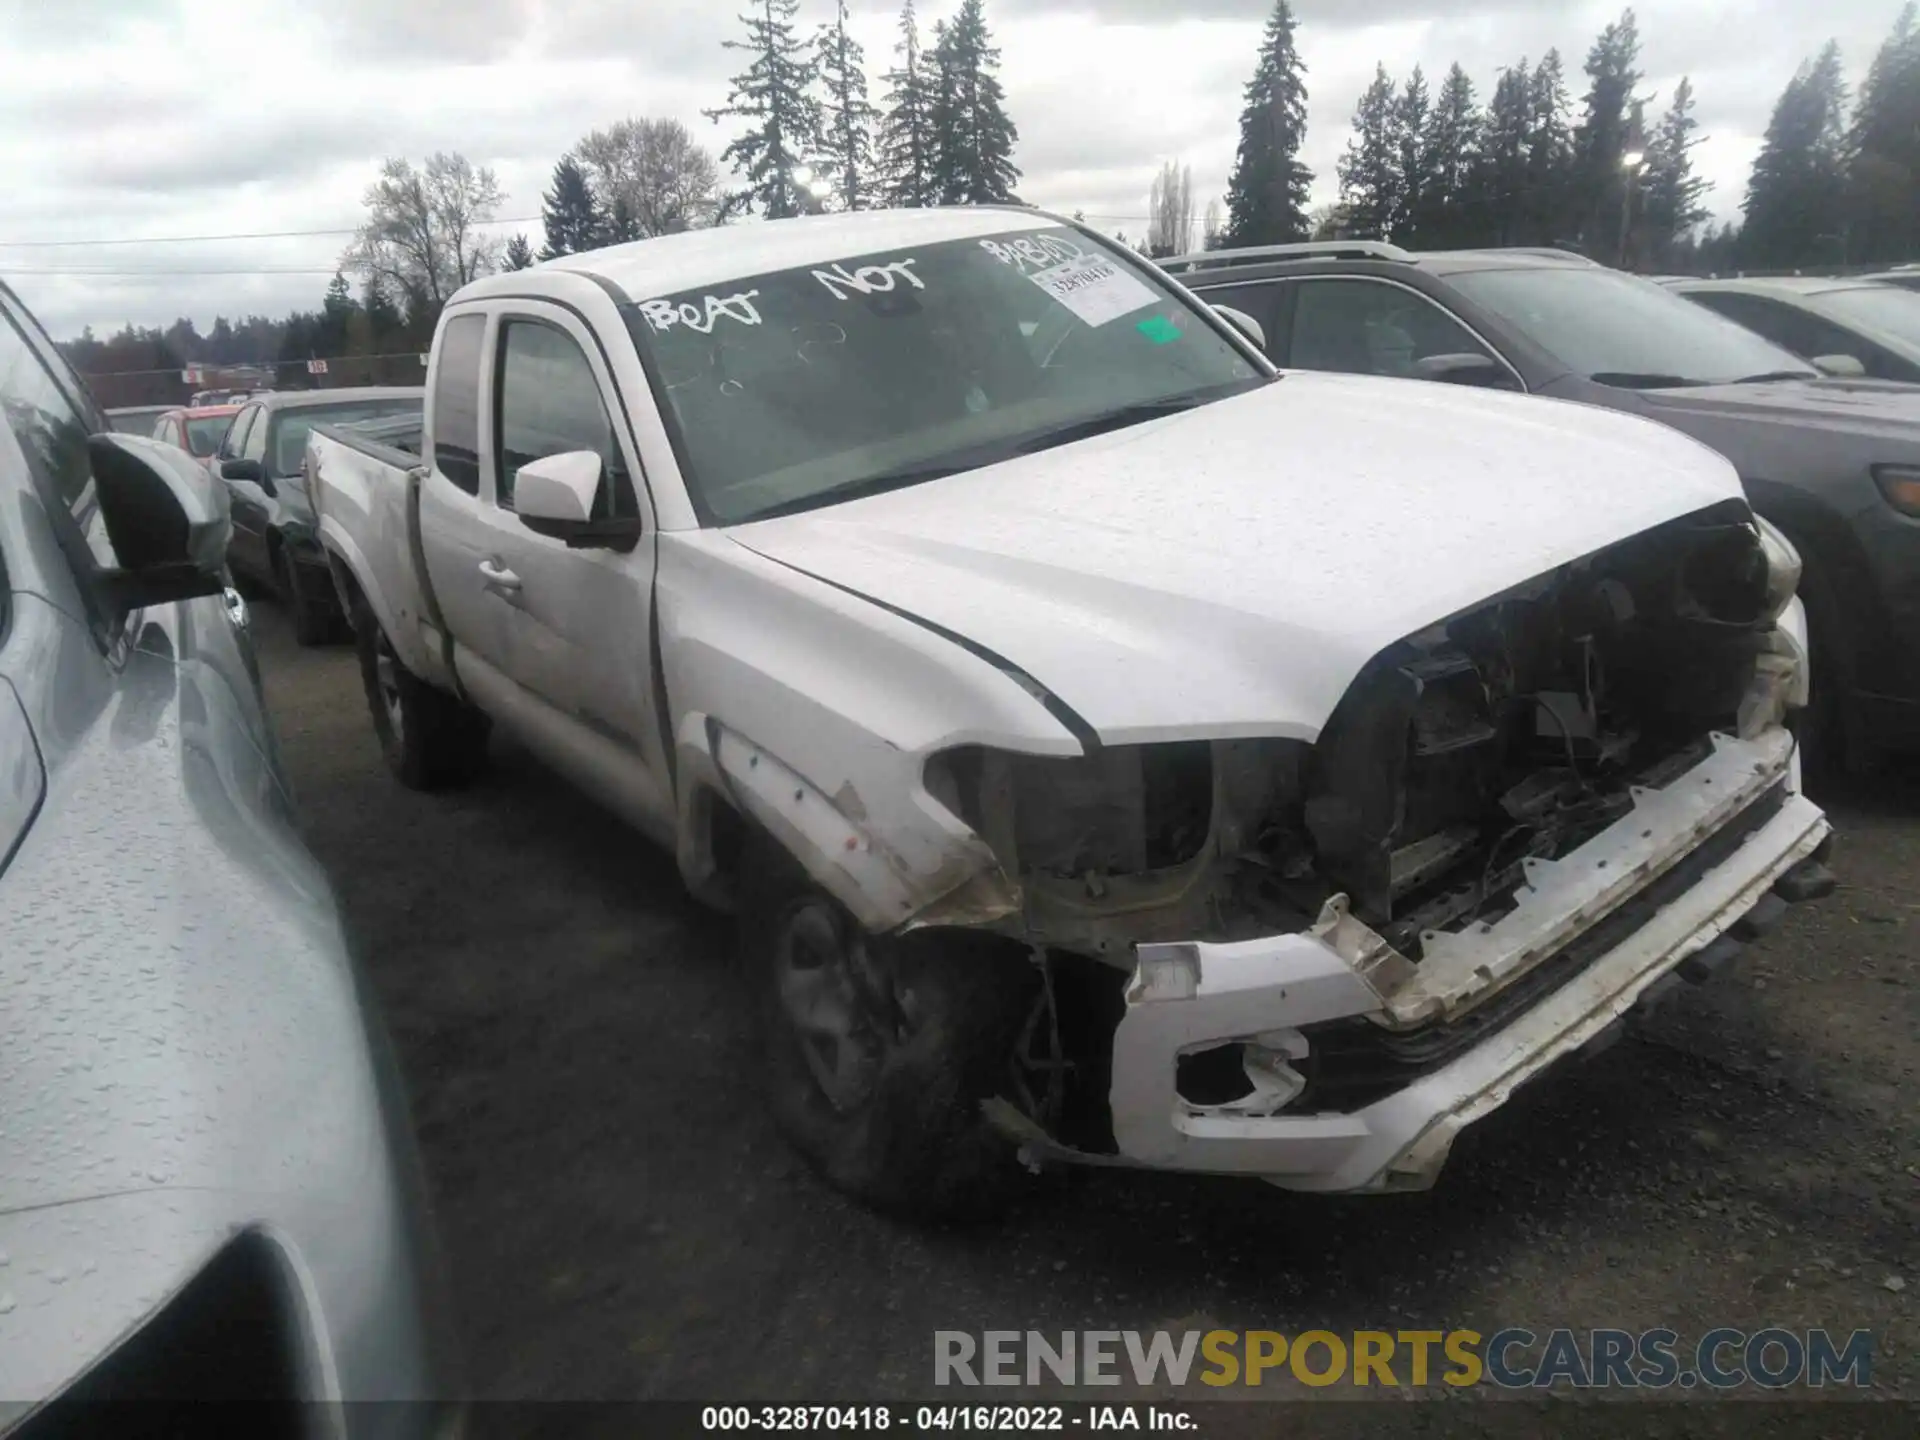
[(125, 120)]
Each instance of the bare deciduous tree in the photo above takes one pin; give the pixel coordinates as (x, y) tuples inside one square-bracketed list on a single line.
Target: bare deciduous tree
[(654, 170), (1215, 223), (422, 238), (1170, 211)]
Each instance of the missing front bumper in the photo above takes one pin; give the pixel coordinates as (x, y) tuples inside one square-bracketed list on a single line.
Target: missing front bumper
[(1697, 855)]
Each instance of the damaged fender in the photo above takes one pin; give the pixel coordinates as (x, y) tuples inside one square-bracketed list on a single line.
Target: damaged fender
[(882, 877)]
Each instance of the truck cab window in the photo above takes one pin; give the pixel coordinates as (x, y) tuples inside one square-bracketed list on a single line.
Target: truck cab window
[(456, 401), (548, 402)]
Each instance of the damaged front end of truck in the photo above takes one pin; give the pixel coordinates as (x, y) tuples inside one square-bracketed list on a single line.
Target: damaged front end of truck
[(1316, 962)]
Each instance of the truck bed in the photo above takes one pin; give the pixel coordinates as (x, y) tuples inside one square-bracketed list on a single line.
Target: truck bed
[(363, 480)]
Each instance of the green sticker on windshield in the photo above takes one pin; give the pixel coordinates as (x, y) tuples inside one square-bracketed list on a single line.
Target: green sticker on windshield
[(1159, 329)]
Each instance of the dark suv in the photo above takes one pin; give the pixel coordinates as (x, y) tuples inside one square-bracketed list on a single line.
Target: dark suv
[(1834, 463)]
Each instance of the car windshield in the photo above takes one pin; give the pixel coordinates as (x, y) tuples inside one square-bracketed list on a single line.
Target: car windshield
[(1622, 331), (205, 433), (802, 387), (288, 447), (1878, 307)]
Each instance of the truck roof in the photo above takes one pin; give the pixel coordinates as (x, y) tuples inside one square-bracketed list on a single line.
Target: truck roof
[(672, 264)]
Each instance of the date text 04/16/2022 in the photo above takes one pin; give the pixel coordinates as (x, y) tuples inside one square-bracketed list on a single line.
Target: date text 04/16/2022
[(928, 1419)]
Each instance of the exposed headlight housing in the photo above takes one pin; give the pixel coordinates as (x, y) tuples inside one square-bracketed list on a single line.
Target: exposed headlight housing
[(1900, 484)]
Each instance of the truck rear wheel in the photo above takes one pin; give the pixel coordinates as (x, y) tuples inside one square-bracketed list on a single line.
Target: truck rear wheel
[(880, 1051), (431, 740)]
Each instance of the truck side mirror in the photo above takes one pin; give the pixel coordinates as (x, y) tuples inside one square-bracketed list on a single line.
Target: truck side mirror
[(166, 519), (554, 496)]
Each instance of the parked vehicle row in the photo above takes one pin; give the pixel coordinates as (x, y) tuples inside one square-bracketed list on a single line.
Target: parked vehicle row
[(1113, 748), (1834, 463), (197, 430), (207, 1181), (260, 459)]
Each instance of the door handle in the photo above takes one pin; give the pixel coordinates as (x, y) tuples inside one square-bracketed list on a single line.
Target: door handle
[(497, 576)]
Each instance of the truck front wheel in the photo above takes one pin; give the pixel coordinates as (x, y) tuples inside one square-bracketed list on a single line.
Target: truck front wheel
[(431, 740), (881, 1050)]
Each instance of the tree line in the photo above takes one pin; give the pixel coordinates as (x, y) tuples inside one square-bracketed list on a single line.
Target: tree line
[(1427, 165), (1430, 167)]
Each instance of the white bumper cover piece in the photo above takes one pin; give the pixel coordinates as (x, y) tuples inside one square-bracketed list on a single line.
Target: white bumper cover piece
[(1194, 996)]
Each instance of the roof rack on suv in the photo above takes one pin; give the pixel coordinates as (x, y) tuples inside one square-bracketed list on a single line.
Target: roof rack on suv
[(1255, 254), (1550, 252)]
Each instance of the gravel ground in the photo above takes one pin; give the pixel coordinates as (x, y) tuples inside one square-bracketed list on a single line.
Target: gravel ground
[(621, 1220)]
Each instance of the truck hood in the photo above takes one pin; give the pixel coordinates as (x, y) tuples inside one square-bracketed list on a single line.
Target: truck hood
[(1226, 572)]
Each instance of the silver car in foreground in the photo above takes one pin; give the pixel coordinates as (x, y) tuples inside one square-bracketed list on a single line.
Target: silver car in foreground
[(207, 1185)]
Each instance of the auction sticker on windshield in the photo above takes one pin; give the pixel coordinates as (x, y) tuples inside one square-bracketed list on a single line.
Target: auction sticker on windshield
[(1094, 288)]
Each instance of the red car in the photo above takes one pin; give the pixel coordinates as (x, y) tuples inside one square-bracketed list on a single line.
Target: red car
[(198, 430)]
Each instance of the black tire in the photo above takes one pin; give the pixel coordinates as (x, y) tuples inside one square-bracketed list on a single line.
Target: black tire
[(894, 1117), (431, 740), (314, 622), (1831, 747)]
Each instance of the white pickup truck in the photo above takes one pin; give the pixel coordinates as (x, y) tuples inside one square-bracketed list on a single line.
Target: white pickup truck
[(1115, 750)]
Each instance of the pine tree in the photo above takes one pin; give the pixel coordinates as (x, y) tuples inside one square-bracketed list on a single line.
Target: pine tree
[(906, 133), (1370, 172), (1506, 138), (773, 93), (336, 315), (1797, 187), (623, 225), (1450, 212), (1672, 209), (1268, 190), (1410, 113), (570, 215), (846, 140), (518, 254), (973, 136), (1604, 131), (1547, 208), (1884, 169)]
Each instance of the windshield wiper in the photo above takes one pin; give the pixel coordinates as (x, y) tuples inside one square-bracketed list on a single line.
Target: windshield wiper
[(1767, 375), (1635, 380)]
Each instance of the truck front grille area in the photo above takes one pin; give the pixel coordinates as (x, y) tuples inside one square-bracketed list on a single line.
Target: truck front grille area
[(220, 1357), (1353, 1063)]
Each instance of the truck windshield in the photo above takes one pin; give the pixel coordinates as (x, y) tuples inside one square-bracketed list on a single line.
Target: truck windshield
[(798, 388)]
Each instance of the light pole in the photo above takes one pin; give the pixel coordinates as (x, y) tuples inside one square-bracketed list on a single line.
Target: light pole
[(1633, 162)]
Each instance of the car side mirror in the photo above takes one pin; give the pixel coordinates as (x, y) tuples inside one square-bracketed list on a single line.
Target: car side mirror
[(554, 496), (166, 520), (243, 470), (1464, 368), (1841, 367), (1244, 323)]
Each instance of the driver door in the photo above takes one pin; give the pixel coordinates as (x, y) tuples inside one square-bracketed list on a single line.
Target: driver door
[(578, 621)]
